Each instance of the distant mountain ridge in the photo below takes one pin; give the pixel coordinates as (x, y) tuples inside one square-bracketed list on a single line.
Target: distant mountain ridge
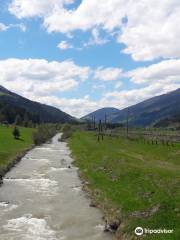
[(100, 114), (149, 112), (162, 110), (12, 104)]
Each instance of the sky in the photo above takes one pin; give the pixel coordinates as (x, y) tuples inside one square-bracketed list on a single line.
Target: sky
[(80, 56)]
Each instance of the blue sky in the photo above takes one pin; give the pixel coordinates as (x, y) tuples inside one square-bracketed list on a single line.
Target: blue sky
[(83, 55)]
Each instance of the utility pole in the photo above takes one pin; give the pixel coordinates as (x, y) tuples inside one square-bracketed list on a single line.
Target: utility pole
[(100, 131), (105, 121), (92, 123), (127, 123)]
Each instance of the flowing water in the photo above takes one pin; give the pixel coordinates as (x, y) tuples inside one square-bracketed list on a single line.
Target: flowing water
[(42, 199)]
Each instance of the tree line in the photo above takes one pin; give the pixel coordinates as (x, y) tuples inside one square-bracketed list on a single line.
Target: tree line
[(18, 116)]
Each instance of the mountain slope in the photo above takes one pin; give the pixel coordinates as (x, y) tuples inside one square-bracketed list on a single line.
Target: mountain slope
[(152, 110), (12, 104), (100, 114), (160, 110)]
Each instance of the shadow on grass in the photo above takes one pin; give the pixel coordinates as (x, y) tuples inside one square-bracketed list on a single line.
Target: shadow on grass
[(19, 139)]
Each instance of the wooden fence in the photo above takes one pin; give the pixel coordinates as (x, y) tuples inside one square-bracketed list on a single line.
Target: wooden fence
[(151, 137)]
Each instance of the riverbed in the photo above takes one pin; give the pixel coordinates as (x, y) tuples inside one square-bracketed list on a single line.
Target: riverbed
[(42, 199)]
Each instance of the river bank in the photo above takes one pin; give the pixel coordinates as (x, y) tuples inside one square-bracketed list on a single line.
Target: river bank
[(133, 183), (12, 150), (42, 198), (12, 163)]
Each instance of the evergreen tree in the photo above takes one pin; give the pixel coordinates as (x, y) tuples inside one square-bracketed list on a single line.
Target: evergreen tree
[(16, 133)]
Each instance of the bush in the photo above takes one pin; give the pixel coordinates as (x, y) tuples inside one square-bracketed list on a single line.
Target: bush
[(16, 133), (67, 131), (44, 133)]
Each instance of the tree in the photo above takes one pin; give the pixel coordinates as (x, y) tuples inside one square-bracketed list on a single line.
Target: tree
[(16, 133)]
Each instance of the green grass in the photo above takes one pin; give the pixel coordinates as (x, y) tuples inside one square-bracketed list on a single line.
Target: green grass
[(11, 148), (128, 179)]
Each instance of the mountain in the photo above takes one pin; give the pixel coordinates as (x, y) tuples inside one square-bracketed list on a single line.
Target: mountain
[(171, 121), (100, 114), (153, 110), (13, 105), (162, 110)]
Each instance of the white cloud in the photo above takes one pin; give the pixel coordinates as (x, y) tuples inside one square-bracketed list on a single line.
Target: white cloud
[(63, 45), (118, 85), (45, 81), (153, 80), (21, 26), (40, 76), (4, 27), (32, 8), (164, 71), (75, 106), (108, 74), (96, 39), (158, 79), (88, 15), (151, 29), (120, 99), (125, 98)]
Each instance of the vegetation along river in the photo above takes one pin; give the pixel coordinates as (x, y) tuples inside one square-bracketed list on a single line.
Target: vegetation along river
[(42, 198)]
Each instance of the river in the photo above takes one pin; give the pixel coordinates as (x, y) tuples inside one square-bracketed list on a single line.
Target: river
[(42, 199)]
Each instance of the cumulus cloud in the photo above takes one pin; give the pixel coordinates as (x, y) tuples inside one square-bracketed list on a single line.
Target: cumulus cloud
[(45, 81), (155, 83), (32, 8), (120, 99), (164, 71), (148, 29), (40, 76), (108, 74), (63, 45), (77, 107), (125, 98), (152, 31), (88, 15), (149, 81)]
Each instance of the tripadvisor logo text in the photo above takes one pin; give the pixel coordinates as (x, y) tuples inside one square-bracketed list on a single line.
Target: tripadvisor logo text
[(139, 231)]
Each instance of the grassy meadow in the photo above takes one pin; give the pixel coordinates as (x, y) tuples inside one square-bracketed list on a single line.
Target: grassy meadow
[(10, 148), (132, 182)]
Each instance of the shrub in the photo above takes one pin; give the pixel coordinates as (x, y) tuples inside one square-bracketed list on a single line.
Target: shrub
[(16, 133), (44, 133), (67, 131)]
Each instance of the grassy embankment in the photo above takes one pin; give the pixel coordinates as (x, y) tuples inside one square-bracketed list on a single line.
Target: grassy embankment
[(11, 148), (133, 182)]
